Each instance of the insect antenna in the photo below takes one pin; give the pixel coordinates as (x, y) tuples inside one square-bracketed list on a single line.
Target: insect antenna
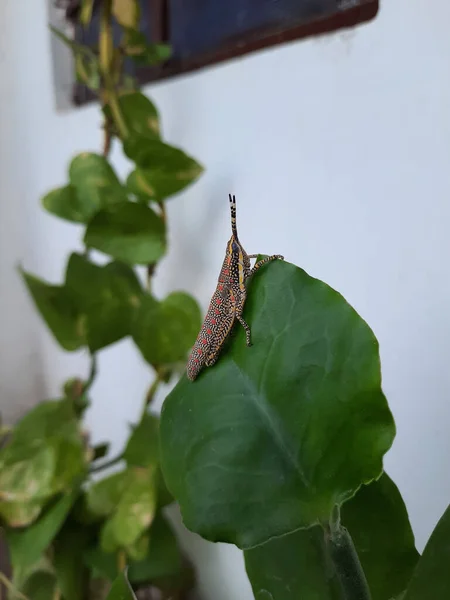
[(233, 215)]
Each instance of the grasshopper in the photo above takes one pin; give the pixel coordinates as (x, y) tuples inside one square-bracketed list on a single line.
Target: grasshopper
[(227, 303)]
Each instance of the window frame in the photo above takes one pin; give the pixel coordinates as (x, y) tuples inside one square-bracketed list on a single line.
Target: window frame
[(347, 17)]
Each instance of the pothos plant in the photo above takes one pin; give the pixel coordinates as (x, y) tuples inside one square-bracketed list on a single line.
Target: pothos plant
[(69, 527)]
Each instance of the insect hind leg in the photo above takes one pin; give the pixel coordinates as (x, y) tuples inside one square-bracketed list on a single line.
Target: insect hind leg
[(245, 325), (264, 261)]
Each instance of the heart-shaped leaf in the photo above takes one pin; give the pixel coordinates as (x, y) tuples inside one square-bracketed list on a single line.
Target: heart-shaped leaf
[(299, 419), (164, 331), (431, 578), (166, 170), (140, 114), (58, 310), (95, 181), (27, 545), (108, 297), (134, 512), (129, 232), (103, 496), (64, 202), (299, 565), (44, 456)]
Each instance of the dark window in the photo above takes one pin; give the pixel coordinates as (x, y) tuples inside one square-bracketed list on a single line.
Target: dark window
[(205, 32)]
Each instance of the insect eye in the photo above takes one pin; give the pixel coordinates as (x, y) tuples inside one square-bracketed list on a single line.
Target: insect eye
[(235, 247)]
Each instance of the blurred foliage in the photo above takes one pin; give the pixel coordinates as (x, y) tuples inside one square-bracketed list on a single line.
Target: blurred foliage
[(70, 527)]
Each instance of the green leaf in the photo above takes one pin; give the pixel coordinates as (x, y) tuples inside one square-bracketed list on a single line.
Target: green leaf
[(27, 545), (87, 67), (431, 578), (95, 182), (58, 310), (165, 331), (121, 589), (166, 170), (162, 556), (68, 560), (134, 512), (102, 564), (65, 203), (126, 12), (140, 114), (103, 496), (296, 565), (142, 447), (298, 419), (129, 232), (43, 457), (40, 586), (299, 564), (20, 513), (143, 53), (375, 514), (87, 71), (107, 296)]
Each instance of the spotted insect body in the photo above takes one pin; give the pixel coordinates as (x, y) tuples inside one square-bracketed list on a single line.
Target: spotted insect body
[(227, 303)]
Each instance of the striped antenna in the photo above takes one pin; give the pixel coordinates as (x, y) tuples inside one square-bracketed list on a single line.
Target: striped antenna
[(233, 215)]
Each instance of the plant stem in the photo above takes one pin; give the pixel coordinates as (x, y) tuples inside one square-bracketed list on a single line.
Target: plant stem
[(92, 374), (10, 587), (105, 465), (151, 394), (346, 561), (121, 561), (106, 64)]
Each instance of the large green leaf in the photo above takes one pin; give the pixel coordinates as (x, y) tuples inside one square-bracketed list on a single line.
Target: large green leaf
[(27, 545), (165, 331), (129, 232), (296, 565), (431, 578), (58, 310), (378, 523), (299, 565), (121, 589), (164, 169), (64, 202), (134, 512), (140, 114), (299, 419), (44, 456), (142, 447), (107, 296)]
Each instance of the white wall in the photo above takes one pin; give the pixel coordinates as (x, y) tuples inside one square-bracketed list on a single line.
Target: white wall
[(338, 149)]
